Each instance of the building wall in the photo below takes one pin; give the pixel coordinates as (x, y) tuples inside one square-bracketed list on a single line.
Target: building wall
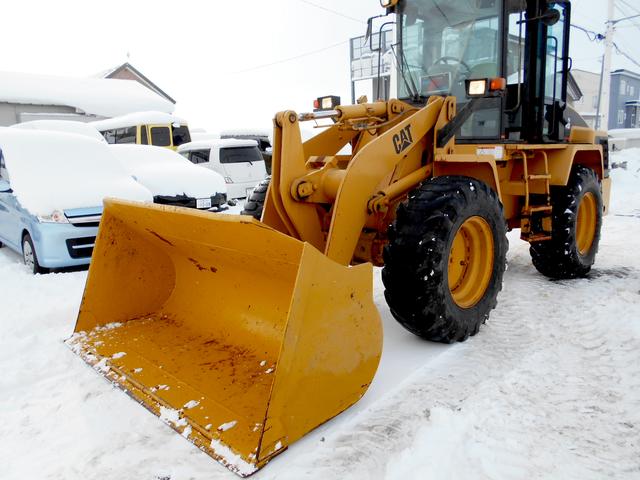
[(589, 84), (11, 113), (625, 87)]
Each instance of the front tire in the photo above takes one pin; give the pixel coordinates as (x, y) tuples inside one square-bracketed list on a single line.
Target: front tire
[(29, 256), (576, 223), (446, 258)]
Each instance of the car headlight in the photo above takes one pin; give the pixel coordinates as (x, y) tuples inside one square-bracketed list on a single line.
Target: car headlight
[(56, 217)]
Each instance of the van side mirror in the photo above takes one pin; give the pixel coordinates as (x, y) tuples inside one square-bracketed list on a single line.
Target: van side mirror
[(5, 186)]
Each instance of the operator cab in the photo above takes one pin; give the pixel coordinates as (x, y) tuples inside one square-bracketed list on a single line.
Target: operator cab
[(443, 44)]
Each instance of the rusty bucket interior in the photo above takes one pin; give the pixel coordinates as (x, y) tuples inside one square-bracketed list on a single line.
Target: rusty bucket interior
[(239, 337)]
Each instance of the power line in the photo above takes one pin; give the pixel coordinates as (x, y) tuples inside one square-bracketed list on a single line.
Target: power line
[(332, 11), (285, 60), (624, 54), (630, 18), (633, 9), (591, 35)]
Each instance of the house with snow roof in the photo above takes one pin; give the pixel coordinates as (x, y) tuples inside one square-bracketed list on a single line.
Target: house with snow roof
[(27, 96), (126, 71)]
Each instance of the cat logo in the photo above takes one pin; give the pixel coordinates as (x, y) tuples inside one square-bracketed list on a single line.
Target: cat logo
[(403, 140)]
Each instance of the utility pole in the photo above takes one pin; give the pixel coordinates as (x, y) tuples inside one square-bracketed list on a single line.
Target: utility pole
[(602, 120)]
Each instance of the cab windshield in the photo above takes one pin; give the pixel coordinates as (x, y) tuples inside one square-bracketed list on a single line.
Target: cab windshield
[(445, 42)]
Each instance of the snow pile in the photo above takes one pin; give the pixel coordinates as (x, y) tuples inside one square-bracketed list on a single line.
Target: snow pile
[(66, 126), (55, 171), (94, 96), (549, 388), (138, 118), (165, 172), (246, 132), (625, 195)]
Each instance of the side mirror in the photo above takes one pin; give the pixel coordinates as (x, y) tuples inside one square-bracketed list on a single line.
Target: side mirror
[(5, 186), (550, 17), (367, 36)]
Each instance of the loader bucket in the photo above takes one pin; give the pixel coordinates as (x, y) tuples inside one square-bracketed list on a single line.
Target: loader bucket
[(239, 337)]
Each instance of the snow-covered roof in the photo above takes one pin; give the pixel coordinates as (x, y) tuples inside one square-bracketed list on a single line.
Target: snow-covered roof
[(216, 142), (625, 132), (138, 118), (95, 96), (165, 172), (56, 171), (247, 132), (67, 126), (203, 135)]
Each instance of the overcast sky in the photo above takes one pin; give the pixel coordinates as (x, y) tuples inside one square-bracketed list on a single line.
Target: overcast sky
[(231, 63)]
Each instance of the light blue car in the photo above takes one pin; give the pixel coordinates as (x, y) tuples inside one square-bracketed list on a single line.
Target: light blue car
[(46, 243), (63, 178)]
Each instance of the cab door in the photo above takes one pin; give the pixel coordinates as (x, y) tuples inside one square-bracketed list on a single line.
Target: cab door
[(556, 71)]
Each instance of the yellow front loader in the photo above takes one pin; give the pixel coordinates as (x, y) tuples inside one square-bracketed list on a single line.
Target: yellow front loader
[(243, 335)]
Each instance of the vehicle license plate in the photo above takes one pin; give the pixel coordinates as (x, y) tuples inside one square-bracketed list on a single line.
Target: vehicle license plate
[(203, 203)]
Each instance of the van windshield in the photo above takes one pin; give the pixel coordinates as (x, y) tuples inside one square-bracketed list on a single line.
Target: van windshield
[(240, 155), (181, 135)]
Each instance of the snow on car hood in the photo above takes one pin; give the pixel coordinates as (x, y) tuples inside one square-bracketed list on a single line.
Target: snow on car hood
[(56, 171), (165, 172)]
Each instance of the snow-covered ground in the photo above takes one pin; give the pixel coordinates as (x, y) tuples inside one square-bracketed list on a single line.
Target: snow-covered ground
[(549, 388)]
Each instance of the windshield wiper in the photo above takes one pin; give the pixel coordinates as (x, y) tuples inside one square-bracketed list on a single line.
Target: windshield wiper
[(411, 88)]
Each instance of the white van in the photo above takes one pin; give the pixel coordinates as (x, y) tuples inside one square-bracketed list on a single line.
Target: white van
[(238, 161)]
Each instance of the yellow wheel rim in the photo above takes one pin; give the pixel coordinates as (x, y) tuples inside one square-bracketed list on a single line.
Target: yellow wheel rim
[(586, 223), (471, 262)]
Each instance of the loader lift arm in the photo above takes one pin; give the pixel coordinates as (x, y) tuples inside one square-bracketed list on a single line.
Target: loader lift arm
[(370, 169)]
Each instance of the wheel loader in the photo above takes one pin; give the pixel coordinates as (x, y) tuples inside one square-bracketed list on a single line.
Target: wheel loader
[(244, 335)]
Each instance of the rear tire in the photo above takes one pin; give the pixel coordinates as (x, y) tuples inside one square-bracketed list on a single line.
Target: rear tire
[(29, 255), (445, 258), (575, 232), (255, 202)]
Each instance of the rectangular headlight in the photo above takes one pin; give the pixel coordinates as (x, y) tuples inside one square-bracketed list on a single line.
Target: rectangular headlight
[(477, 88), (326, 103)]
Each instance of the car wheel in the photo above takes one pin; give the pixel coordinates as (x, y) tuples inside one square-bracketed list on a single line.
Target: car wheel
[(255, 203), (29, 255)]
